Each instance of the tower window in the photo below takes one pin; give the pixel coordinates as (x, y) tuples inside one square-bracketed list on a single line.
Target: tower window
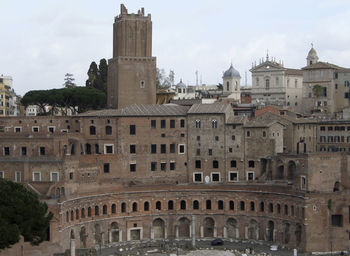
[(227, 85), (142, 84)]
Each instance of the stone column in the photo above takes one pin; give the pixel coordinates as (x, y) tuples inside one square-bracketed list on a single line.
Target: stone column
[(225, 232), (257, 233), (72, 247), (246, 232), (193, 231), (109, 236), (165, 232), (202, 231), (176, 231), (102, 238), (152, 232), (215, 231), (120, 235), (237, 233)]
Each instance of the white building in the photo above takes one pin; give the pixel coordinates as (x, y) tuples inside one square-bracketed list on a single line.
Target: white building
[(273, 84)]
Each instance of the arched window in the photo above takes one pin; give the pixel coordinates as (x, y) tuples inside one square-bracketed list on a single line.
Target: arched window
[(267, 84), (285, 209), (89, 212), (87, 149), (114, 208), (220, 205), (77, 214), (97, 211), (252, 206), (67, 216), (92, 130), (123, 207), (214, 124), (215, 164), (158, 205), (198, 123), (232, 205), (134, 207), (195, 205), (227, 85), (146, 206), (170, 205), (183, 205), (264, 134), (270, 207), (108, 130), (71, 215), (262, 206), (104, 209), (208, 204), (82, 213)]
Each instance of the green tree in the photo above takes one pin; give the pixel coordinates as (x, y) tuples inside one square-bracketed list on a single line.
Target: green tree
[(69, 81), (21, 214), (97, 76), (77, 99)]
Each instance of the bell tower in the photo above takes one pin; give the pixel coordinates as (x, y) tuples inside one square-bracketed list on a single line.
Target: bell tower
[(132, 70)]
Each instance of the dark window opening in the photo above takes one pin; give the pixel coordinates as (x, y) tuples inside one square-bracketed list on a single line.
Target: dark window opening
[(132, 129), (153, 166), (195, 205), (183, 205), (108, 130), (208, 204), (220, 205), (153, 124), (106, 167), (132, 167)]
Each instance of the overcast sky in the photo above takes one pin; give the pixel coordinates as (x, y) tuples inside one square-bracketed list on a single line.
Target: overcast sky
[(42, 40)]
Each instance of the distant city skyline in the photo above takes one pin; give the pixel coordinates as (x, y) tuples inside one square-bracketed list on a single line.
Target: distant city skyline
[(43, 40)]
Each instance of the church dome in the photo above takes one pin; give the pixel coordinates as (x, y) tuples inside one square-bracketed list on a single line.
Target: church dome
[(181, 84), (312, 53), (231, 72)]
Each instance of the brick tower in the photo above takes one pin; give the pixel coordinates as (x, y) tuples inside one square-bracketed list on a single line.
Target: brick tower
[(132, 70)]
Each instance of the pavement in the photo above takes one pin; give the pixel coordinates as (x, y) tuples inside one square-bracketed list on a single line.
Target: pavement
[(172, 248)]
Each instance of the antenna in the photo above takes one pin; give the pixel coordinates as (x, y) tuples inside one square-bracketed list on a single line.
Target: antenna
[(201, 80), (196, 77)]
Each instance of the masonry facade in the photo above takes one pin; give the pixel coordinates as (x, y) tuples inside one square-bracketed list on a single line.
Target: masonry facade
[(142, 172)]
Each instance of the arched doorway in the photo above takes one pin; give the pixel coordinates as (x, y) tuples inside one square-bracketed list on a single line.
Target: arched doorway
[(291, 170), (270, 230), (158, 228), (83, 237), (114, 232), (253, 230), (280, 172), (298, 233), (208, 227), (286, 232), (97, 234), (184, 227), (232, 228)]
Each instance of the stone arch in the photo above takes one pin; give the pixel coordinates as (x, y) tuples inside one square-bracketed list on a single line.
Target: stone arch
[(158, 228), (184, 227), (253, 230), (232, 228), (83, 237), (114, 232), (270, 230), (208, 225), (291, 170)]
